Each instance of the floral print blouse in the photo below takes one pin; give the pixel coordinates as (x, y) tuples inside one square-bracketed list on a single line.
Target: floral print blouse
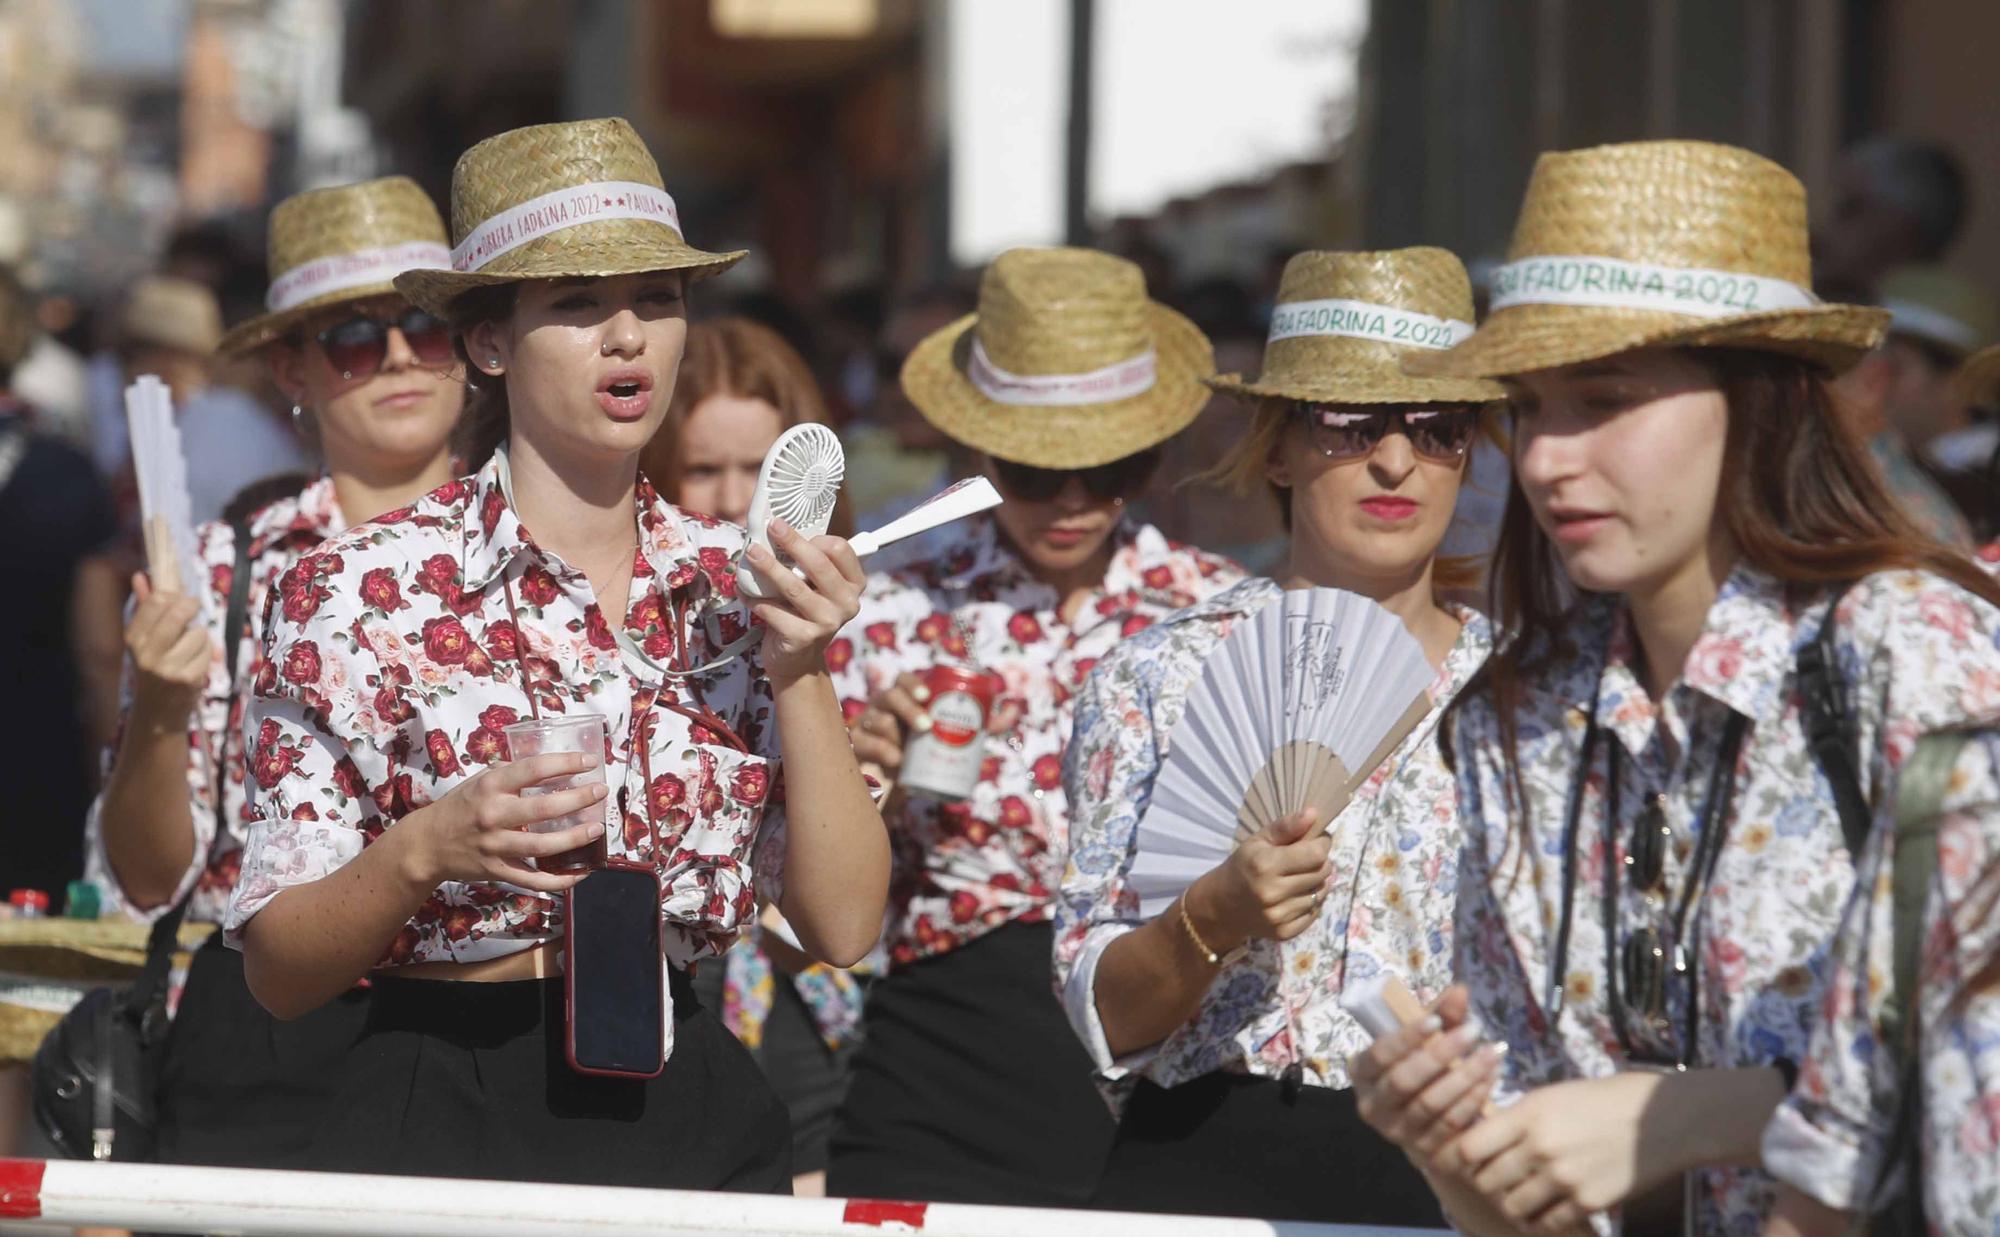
[(963, 869), (1830, 1136), (279, 533), (1916, 654), (1395, 860), (395, 663)]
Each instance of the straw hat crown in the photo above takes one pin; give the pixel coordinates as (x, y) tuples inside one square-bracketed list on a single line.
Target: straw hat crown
[(559, 201), (1648, 244), (1064, 364), (1977, 381), (166, 311), (346, 243), (1940, 306), (1343, 322)]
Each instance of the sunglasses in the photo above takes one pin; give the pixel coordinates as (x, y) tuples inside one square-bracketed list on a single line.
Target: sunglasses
[(1339, 432), (1646, 962), (1120, 479), (358, 346)]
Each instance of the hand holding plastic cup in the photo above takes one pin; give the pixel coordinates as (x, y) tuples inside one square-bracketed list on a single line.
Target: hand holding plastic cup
[(570, 732)]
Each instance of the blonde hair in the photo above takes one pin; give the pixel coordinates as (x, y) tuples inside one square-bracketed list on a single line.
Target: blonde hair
[(1246, 470)]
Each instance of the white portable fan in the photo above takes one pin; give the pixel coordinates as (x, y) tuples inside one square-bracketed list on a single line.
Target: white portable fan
[(160, 465), (801, 478), (1294, 710)]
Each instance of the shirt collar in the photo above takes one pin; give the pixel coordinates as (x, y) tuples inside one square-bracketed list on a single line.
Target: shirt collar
[(313, 513), (494, 534)]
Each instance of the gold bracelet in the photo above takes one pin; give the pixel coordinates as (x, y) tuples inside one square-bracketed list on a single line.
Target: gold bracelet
[(1201, 946)]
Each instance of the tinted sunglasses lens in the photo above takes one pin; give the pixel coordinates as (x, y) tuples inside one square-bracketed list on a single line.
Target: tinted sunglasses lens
[(355, 347), (1032, 485), (1121, 478), (1441, 435), (1340, 434), (1647, 857), (429, 337), (1646, 974)]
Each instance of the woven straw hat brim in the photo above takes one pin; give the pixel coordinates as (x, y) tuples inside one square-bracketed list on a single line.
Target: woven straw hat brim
[(591, 251), (254, 333), (1977, 381), (1374, 381), (1066, 437), (1521, 339)]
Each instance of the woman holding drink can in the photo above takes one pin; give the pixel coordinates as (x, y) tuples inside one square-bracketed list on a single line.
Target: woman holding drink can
[(957, 678), (404, 656)]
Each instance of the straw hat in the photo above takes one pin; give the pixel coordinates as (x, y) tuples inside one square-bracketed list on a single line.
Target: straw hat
[(347, 243), (1064, 364), (1940, 307), (575, 200), (1656, 243), (166, 311), (1344, 320), (1977, 381)]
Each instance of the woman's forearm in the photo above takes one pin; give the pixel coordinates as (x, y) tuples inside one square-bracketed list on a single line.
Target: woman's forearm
[(1151, 980), (145, 817), (836, 847), (312, 942), (1717, 1116)]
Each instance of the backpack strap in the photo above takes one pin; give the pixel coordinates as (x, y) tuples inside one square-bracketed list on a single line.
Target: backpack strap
[(1830, 728)]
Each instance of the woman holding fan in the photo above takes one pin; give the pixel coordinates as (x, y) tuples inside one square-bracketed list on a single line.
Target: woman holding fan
[(1215, 1026), (392, 838), (1729, 642), (969, 1087), (376, 387)]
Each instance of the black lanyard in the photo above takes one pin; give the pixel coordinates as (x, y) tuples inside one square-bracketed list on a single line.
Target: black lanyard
[(1716, 815)]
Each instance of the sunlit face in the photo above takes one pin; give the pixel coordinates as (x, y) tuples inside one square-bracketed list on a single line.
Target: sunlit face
[(1621, 462), (590, 363), (723, 444), (1378, 515), (398, 416), (1065, 531)]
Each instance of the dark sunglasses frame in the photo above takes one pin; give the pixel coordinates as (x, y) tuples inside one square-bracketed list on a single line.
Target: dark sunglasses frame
[(1120, 479), (1444, 440), (358, 345)]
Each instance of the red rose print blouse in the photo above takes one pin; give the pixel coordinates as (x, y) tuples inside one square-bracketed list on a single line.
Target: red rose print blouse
[(279, 533), (963, 869), (394, 664)]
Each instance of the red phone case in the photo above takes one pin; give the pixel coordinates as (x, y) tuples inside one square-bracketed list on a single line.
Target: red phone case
[(569, 978)]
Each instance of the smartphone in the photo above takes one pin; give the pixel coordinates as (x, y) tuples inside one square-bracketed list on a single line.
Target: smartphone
[(614, 975)]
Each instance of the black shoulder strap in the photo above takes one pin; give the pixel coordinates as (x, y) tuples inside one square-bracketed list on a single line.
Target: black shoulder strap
[(1830, 728), (160, 942)]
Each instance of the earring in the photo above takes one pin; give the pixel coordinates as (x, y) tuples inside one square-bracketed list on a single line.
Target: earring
[(493, 363), (298, 416), (1117, 502)]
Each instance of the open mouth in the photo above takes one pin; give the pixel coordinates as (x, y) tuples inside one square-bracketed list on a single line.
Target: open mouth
[(626, 396)]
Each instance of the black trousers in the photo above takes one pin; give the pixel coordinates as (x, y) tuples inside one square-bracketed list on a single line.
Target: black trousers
[(1237, 1145), (470, 1080), (239, 1088), (808, 1076), (970, 1085)]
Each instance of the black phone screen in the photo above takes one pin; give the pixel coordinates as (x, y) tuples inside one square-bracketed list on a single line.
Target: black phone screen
[(616, 976)]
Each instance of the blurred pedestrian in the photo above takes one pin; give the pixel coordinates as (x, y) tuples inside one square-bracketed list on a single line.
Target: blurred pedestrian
[(970, 1085), (1897, 201)]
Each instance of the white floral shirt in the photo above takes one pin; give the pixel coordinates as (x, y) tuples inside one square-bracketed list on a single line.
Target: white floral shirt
[(1395, 861), (279, 533), (395, 663), (1759, 942), (963, 869)]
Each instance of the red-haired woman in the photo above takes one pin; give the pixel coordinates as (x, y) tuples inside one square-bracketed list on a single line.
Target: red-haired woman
[(1655, 862)]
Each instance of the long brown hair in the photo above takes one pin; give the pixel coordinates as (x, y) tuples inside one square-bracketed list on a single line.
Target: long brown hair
[(484, 424), (1799, 494), (737, 356)]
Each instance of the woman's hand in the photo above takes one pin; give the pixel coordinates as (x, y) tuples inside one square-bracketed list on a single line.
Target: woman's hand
[(171, 651), (807, 613), (879, 731), (1566, 1150), (1423, 1086), (1271, 886), (478, 832), (1798, 1216)]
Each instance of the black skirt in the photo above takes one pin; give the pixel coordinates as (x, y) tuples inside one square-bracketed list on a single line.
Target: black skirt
[(239, 1088), (1236, 1145), (459, 1079), (970, 1086)]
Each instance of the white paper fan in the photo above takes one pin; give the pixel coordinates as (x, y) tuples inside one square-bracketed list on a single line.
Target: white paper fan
[(798, 484), (160, 465), (1294, 710)]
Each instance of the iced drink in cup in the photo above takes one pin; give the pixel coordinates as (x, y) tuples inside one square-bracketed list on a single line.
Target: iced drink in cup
[(571, 732)]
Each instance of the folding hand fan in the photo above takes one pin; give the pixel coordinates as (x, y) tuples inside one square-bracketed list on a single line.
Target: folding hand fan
[(1294, 710), (160, 465), (800, 480)]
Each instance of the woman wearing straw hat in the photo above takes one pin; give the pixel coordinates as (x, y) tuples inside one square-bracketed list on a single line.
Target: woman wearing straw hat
[(969, 1085), (1205, 1052), (393, 836), (375, 384), (1656, 860)]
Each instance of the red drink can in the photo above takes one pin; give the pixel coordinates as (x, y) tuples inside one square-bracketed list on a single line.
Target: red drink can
[(944, 760)]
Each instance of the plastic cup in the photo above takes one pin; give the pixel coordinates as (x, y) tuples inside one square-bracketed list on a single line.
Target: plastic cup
[(570, 732)]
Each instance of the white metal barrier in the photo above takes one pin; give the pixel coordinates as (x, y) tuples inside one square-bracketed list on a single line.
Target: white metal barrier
[(62, 1194)]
